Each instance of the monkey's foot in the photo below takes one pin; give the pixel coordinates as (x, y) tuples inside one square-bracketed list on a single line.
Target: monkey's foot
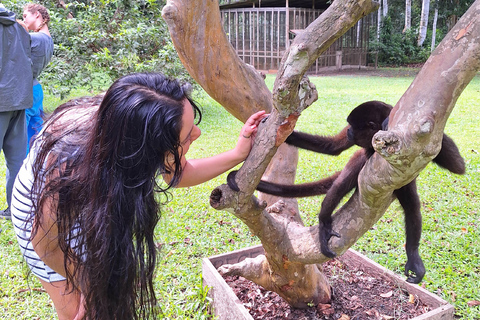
[(325, 234), (414, 270)]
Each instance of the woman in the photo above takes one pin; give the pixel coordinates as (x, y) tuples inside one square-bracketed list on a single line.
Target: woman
[(36, 19), (90, 183)]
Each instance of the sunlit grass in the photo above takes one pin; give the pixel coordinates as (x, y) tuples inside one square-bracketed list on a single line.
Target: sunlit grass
[(190, 229)]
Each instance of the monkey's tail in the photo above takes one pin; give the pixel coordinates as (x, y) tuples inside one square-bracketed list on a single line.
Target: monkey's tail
[(298, 190)]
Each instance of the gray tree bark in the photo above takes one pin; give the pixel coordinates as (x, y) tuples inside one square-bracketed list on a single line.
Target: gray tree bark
[(408, 15), (422, 31), (434, 29)]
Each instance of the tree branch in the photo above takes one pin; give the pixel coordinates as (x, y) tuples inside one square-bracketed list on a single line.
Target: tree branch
[(197, 34)]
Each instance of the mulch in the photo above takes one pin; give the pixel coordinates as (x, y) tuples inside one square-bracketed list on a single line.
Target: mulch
[(356, 295)]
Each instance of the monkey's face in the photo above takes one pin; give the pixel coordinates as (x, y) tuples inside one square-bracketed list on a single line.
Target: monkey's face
[(362, 133)]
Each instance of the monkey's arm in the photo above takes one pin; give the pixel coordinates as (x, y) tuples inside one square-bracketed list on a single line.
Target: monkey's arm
[(332, 145), (449, 156), (346, 181)]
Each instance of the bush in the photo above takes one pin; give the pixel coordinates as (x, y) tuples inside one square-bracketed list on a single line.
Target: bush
[(104, 40), (396, 49)]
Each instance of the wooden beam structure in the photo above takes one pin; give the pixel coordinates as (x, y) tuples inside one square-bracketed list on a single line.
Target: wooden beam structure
[(261, 35)]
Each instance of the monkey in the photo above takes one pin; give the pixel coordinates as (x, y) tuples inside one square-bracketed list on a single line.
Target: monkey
[(363, 122)]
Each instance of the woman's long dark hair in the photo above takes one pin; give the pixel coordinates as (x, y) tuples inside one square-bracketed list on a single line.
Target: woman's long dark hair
[(101, 175)]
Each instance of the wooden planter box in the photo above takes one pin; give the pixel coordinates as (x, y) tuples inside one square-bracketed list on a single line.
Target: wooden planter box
[(226, 305)]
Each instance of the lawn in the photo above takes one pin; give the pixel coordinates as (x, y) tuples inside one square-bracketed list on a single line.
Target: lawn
[(190, 229)]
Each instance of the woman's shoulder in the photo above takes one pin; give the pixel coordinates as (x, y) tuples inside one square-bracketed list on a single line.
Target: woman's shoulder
[(40, 39)]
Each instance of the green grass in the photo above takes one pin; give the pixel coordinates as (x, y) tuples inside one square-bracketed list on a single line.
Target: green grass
[(190, 229)]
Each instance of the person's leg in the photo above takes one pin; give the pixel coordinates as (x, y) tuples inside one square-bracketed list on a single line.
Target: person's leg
[(34, 114), (68, 304), (4, 121), (14, 148)]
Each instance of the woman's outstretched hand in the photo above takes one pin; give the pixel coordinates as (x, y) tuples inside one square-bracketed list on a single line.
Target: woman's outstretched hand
[(248, 133)]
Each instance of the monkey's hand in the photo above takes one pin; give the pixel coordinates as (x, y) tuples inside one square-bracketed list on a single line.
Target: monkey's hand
[(231, 181), (325, 233)]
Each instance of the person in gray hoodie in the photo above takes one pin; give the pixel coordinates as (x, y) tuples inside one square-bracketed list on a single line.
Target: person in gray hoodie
[(16, 95)]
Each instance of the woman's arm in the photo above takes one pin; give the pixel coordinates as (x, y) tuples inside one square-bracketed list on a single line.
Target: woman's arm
[(45, 236), (196, 171), (45, 239)]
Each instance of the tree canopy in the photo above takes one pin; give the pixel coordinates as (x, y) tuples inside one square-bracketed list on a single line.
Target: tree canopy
[(97, 41)]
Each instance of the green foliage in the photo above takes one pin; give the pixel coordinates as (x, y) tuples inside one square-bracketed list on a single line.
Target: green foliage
[(396, 48), (104, 40)]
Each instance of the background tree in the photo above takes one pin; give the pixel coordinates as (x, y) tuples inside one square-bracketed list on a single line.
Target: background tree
[(422, 30), (98, 41), (413, 139), (434, 25), (408, 15)]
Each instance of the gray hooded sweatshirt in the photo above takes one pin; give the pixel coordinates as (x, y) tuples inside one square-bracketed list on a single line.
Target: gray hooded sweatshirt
[(16, 77)]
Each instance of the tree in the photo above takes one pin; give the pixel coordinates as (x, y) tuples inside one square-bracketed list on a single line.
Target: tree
[(434, 27), (422, 30), (408, 15), (289, 266)]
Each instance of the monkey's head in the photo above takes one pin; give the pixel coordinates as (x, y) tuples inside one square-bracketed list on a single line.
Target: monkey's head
[(365, 120)]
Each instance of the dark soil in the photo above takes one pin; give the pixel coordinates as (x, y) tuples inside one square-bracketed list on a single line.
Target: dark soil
[(356, 295)]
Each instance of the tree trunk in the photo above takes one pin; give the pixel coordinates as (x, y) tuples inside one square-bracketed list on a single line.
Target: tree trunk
[(385, 7), (413, 139), (379, 23), (434, 29), (422, 31), (408, 15)]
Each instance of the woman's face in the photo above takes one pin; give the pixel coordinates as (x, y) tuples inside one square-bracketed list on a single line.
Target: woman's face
[(189, 132), (30, 19)]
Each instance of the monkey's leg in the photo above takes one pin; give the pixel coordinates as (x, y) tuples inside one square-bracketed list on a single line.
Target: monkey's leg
[(409, 200), (449, 156), (345, 182)]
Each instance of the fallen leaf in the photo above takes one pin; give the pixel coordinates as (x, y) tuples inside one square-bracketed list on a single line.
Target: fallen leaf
[(325, 309), (373, 312), (344, 317), (453, 295), (323, 306), (387, 294), (384, 316), (473, 303), (411, 298)]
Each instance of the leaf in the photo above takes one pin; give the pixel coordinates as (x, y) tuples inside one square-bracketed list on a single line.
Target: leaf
[(473, 303), (387, 294), (373, 312), (411, 298), (344, 317)]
